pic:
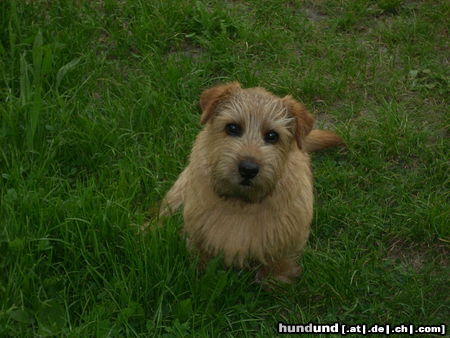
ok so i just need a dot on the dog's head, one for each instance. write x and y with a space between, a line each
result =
250 133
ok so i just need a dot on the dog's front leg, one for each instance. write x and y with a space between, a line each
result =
175 196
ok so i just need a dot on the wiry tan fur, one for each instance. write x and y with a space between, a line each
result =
267 223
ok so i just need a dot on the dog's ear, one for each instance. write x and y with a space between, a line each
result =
211 97
303 119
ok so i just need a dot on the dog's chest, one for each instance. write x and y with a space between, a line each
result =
248 232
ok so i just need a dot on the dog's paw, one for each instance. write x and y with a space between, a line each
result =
294 271
283 271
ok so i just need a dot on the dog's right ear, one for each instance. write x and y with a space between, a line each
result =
212 96
303 119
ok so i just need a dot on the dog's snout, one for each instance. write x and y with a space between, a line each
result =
248 169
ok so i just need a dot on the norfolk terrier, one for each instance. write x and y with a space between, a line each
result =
247 192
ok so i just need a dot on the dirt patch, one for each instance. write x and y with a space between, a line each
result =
438 135
241 6
324 120
187 50
310 9
411 163
313 13
415 257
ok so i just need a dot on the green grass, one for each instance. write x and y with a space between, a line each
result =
98 111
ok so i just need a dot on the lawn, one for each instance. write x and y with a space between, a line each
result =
99 109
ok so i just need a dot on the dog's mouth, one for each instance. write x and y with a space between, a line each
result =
245 190
246 182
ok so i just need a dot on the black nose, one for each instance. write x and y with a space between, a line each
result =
248 169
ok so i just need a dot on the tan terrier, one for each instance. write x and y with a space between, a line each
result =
247 192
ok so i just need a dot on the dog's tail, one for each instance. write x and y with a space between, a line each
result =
321 139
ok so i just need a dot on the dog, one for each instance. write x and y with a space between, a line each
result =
247 192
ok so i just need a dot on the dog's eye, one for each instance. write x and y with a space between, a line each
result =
233 129
271 137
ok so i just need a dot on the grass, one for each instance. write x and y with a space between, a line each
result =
98 111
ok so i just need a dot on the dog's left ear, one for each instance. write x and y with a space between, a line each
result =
304 121
211 97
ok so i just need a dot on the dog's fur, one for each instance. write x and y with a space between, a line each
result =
259 221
